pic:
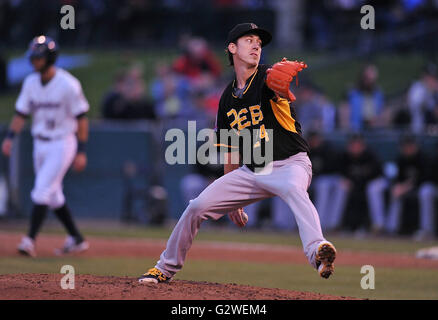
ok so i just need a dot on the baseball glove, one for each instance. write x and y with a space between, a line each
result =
281 74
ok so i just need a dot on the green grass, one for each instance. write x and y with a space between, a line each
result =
396 72
244 236
97 78
382 245
390 283
276 238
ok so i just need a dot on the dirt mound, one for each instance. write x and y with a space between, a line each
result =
90 287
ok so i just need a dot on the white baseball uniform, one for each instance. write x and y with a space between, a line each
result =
54 108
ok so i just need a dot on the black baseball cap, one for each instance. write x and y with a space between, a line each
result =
245 28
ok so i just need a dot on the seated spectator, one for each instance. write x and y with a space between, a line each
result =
325 182
423 99
126 99
376 195
325 188
171 93
199 64
358 167
343 115
402 116
201 112
411 176
314 111
427 195
3 74
366 101
203 174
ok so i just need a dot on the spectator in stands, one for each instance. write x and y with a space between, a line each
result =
319 27
3 74
325 188
201 112
314 110
366 101
423 99
199 64
427 195
358 167
412 173
127 99
376 195
401 115
171 93
202 175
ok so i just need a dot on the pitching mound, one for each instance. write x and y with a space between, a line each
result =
90 287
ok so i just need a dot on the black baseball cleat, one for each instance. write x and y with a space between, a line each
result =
154 276
325 257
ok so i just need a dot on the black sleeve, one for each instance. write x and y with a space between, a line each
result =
21 114
81 115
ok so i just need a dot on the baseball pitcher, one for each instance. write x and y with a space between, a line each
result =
258 100
54 100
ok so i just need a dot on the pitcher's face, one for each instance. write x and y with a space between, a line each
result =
248 49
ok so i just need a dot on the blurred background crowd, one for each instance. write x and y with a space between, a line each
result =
368 103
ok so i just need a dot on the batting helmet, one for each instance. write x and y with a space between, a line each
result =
43 47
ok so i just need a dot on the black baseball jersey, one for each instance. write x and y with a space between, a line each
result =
412 168
256 108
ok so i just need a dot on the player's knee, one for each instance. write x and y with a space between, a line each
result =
371 189
376 186
40 197
427 191
293 188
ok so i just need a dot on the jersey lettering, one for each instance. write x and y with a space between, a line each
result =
240 119
53 107
50 124
256 114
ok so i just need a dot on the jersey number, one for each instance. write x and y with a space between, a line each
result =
50 124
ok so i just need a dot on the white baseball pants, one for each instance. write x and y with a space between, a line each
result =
289 179
51 162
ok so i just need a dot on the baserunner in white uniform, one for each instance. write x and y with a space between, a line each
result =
258 101
56 103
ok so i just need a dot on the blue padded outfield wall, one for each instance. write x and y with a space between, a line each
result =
98 191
